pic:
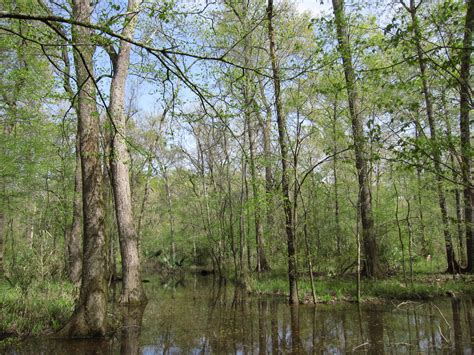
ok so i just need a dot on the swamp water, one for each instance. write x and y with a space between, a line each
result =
199 315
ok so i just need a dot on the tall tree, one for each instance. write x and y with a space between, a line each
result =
283 142
89 317
435 150
465 128
371 262
132 290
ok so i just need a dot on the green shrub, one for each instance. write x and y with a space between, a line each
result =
44 308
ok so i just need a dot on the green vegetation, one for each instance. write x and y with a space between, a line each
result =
328 290
240 138
41 308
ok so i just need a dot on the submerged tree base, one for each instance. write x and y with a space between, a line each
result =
137 298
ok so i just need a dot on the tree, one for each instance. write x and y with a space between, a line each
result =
465 128
132 290
89 317
435 150
282 140
371 262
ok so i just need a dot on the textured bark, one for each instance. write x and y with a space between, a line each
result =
465 128
436 153
74 237
282 140
132 290
371 262
89 317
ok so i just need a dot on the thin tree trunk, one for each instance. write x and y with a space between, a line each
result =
2 233
456 190
436 154
89 317
334 172
424 247
465 128
132 290
146 192
74 235
410 238
399 228
266 127
242 235
262 263
231 208
371 262
169 202
282 139
248 101
3 209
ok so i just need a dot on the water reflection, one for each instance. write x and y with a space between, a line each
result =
132 318
214 317
202 316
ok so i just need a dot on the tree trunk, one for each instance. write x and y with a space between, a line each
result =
74 237
2 233
282 139
262 263
465 128
242 235
455 178
3 209
89 317
436 154
266 127
132 290
334 172
169 202
231 208
424 247
371 262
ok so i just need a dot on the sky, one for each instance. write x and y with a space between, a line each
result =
314 7
149 102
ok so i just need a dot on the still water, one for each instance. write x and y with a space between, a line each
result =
200 315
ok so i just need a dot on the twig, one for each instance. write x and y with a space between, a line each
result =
360 346
442 335
442 315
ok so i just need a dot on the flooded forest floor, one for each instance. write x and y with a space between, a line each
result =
35 309
195 314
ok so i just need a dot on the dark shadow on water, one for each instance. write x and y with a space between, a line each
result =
375 331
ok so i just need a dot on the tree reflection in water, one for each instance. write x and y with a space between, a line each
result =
203 316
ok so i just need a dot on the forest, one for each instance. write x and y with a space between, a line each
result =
320 150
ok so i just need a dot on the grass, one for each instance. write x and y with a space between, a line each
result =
39 309
425 286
